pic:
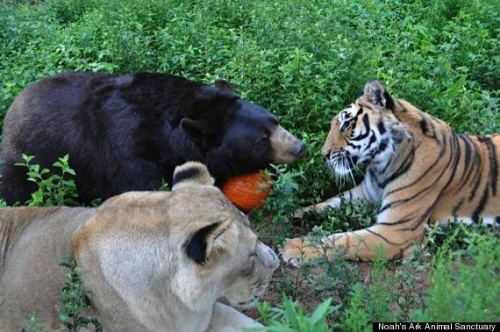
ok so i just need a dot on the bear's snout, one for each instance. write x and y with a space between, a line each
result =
287 148
300 149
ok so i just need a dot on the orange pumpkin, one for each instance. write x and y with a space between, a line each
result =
248 191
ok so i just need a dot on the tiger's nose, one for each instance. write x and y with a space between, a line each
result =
326 153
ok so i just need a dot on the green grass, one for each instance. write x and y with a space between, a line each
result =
304 61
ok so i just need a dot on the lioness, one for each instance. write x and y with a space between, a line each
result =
153 261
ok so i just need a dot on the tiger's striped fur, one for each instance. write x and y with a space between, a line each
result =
417 167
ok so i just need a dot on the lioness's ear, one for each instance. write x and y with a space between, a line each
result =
211 240
375 94
191 173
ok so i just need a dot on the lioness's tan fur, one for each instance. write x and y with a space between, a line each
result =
133 254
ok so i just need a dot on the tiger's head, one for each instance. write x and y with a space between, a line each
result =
365 133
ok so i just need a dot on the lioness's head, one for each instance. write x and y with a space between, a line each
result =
190 243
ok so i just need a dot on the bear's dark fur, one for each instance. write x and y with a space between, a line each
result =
128 132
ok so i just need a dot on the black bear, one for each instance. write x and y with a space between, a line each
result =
128 132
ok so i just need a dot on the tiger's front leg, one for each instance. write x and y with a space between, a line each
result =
362 244
397 231
355 194
296 249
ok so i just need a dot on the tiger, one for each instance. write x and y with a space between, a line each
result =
416 167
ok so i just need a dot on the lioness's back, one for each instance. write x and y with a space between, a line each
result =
31 236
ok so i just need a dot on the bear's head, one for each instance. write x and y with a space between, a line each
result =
238 137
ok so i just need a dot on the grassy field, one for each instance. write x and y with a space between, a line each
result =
304 61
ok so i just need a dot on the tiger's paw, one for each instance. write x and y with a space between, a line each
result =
291 252
297 250
299 214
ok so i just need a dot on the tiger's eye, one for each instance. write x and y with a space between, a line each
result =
345 126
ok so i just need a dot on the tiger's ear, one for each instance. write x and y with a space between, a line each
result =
217 238
376 95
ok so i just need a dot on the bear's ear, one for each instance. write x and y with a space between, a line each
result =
375 94
196 129
220 93
223 85
209 241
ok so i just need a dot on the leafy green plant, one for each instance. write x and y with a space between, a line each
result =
51 189
456 237
349 216
409 289
338 275
461 287
357 317
74 302
290 317
75 299
282 199
280 205
379 297
31 324
66 11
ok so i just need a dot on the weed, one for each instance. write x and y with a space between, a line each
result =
357 318
290 317
280 205
75 299
51 189
74 302
409 285
282 202
31 324
462 284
